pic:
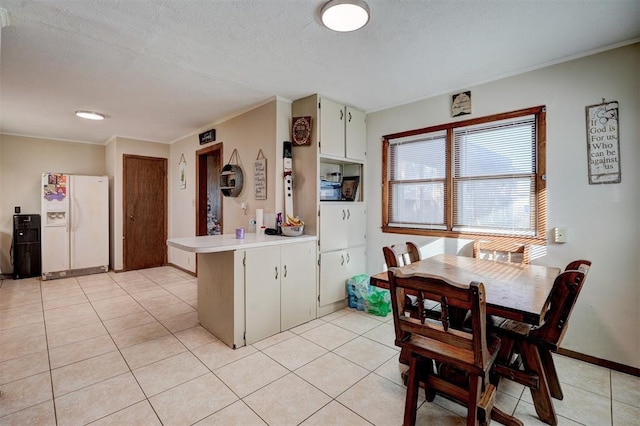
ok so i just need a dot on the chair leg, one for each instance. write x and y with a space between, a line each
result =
541 395
475 390
411 402
551 373
425 369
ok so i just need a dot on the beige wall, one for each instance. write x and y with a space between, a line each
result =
603 220
22 162
262 128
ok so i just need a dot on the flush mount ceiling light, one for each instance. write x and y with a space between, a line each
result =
90 115
345 15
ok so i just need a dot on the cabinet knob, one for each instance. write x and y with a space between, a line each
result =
341 115
341 260
348 214
348 258
344 214
285 271
349 116
276 272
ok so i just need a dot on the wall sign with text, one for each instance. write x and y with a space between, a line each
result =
603 143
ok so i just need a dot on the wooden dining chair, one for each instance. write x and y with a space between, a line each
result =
425 339
403 254
501 251
535 344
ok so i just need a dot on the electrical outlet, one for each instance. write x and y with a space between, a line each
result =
560 235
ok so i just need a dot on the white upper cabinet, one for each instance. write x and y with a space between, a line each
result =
342 131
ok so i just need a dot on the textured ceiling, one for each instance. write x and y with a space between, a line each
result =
163 69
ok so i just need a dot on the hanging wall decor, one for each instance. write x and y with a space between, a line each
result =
461 104
260 177
603 143
231 177
301 131
182 164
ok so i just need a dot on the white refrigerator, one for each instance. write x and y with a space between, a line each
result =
75 225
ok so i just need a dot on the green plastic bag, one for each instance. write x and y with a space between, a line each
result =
357 288
378 302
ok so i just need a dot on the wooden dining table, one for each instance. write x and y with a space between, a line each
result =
513 291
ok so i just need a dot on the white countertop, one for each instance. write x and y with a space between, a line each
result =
229 242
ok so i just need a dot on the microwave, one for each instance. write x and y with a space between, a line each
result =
330 191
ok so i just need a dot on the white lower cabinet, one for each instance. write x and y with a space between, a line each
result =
262 293
336 268
280 289
298 293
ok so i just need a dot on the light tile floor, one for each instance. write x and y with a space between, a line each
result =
126 348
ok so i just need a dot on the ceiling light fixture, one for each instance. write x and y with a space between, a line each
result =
90 115
345 15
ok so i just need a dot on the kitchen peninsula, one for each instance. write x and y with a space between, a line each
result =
253 288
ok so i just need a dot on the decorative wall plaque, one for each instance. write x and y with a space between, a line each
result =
208 136
301 131
603 143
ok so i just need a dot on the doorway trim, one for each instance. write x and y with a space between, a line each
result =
201 187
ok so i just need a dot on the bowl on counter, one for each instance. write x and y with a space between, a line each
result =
292 231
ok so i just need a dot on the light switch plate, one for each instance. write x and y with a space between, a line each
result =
560 235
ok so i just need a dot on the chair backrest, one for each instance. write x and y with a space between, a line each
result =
501 251
564 294
471 347
401 254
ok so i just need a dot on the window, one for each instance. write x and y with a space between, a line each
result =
483 176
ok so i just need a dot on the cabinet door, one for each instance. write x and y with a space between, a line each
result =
298 284
262 293
355 261
356 134
333 227
333 277
356 224
332 119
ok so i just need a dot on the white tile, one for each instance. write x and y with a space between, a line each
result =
41 415
383 333
625 388
335 414
393 370
88 372
583 375
195 337
99 400
624 414
387 408
289 400
250 373
151 351
332 374
140 414
167 373
526 412
366 353
235 414
78 351
217 354
295 352
192 401
272 340
25 393
329 336
25 366
356 323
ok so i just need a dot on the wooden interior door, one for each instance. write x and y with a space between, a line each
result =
145 212
208 167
